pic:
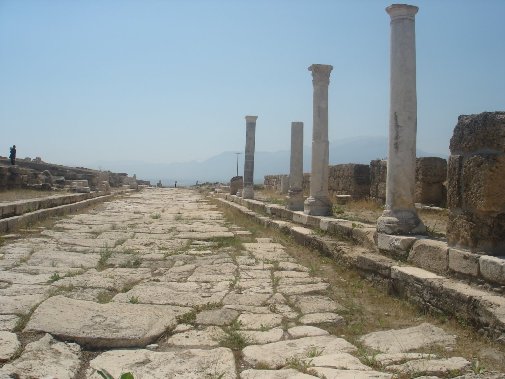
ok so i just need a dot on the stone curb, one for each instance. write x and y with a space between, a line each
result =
20 207
483 309
11 224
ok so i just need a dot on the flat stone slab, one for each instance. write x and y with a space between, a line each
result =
316 304
320 318
275 355
208 337
9 345
259 321
8 322
274 374
45 358
297 289
102 325
19 304
182 364
330 373
404 340
389 359
343 361
259 338
222 316
306 331
431 366
174 293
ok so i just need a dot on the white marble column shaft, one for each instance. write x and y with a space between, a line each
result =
400 216
318 203
295 193
250 135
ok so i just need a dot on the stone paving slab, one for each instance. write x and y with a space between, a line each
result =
102 325
274 374
404 340
45 358
9 345
275 355
182 364
439 367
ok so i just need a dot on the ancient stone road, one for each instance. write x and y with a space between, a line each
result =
160 285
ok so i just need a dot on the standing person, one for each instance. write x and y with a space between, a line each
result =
12 156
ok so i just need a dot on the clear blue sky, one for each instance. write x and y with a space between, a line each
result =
164 81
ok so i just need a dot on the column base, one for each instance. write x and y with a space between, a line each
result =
317 206
294 200
400 222
248 192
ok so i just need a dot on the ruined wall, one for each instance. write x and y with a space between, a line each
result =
38 174
476 184
378 172
272 182
349 179
431 173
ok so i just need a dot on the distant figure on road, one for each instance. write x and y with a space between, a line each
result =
12 156
175 185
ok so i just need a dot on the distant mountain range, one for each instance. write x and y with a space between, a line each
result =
222 167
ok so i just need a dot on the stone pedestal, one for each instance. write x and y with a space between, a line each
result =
284 184
400 216
318 203
248 191
476 184
295 193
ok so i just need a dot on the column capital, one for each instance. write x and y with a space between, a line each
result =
402 11
321 73
249 119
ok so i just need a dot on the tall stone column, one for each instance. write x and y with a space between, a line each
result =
318 203
295 193
400 216
248 192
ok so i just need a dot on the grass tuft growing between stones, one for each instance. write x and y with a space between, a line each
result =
234 339
105 254
104 297
227 242
54 277
302 365
187 318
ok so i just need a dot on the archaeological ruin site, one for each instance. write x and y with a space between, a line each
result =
394 269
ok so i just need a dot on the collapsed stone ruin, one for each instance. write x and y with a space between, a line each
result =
39 175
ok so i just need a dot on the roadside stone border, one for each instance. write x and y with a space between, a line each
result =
32 211
481 308
430 254
20 207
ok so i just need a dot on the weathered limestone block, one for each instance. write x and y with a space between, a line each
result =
430 255
492 268
102 325
274 355
476 184
349 179
236 184
180 364
45 358
403 340
463 262
9 345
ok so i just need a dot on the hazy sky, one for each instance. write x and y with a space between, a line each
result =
164 81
